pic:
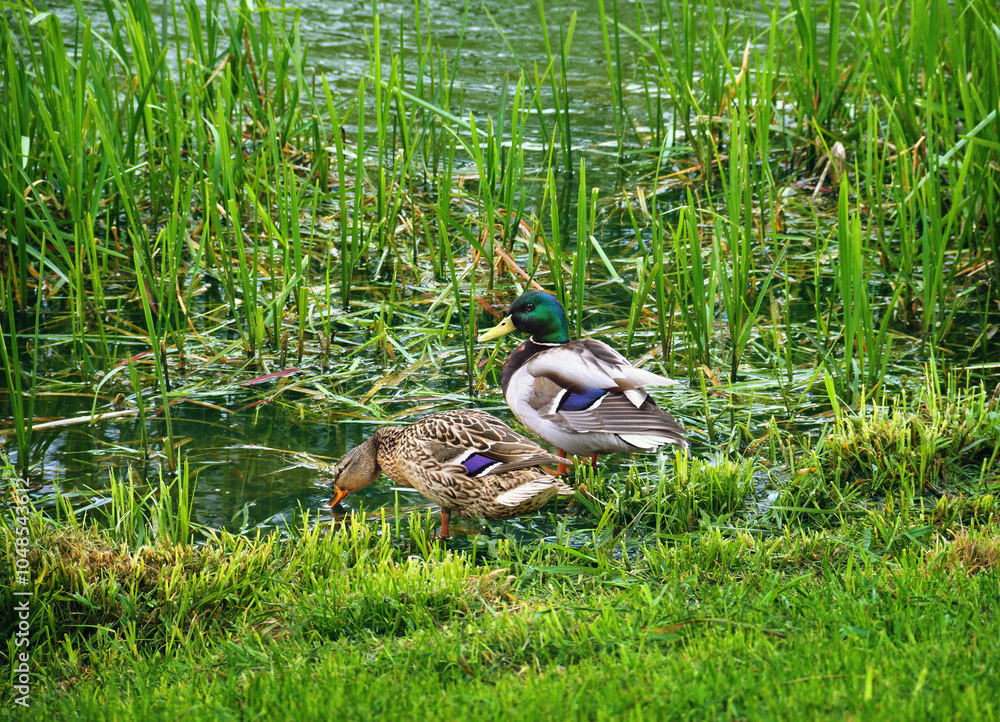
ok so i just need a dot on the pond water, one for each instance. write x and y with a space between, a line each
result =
241 441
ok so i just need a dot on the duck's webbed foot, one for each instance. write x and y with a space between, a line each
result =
445 518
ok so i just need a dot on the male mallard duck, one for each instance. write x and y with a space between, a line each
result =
464 460
581 396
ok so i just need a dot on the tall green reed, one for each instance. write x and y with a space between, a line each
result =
613 68
584 232
820 81
694 285
559 82
22 412
742 285
866 344
554 245
936 85
688 55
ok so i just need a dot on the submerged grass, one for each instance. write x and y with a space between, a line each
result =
297 204
863 589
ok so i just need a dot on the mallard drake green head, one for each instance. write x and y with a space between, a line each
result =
582 396
464 460
535 313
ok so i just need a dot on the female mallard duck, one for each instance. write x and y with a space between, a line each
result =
582 396
464 460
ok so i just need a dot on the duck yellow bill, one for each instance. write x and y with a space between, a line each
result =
501 329
338 496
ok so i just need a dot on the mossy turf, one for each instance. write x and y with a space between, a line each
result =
349 622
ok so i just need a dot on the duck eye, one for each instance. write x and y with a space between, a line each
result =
529 307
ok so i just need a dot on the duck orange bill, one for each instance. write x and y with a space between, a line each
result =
338 496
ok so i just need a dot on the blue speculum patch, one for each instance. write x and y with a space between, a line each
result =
579 402
477 463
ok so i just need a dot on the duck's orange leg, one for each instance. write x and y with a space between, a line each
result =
562 467
593 461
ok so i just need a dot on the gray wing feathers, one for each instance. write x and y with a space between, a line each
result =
594 364
616 414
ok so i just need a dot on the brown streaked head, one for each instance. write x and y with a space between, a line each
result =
356 469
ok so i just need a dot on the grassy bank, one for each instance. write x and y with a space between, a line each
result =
337 621
836 622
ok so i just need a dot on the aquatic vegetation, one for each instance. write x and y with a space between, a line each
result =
890 445
691 494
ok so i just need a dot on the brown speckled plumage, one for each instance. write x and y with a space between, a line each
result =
438 455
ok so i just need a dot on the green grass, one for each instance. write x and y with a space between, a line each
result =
343 621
